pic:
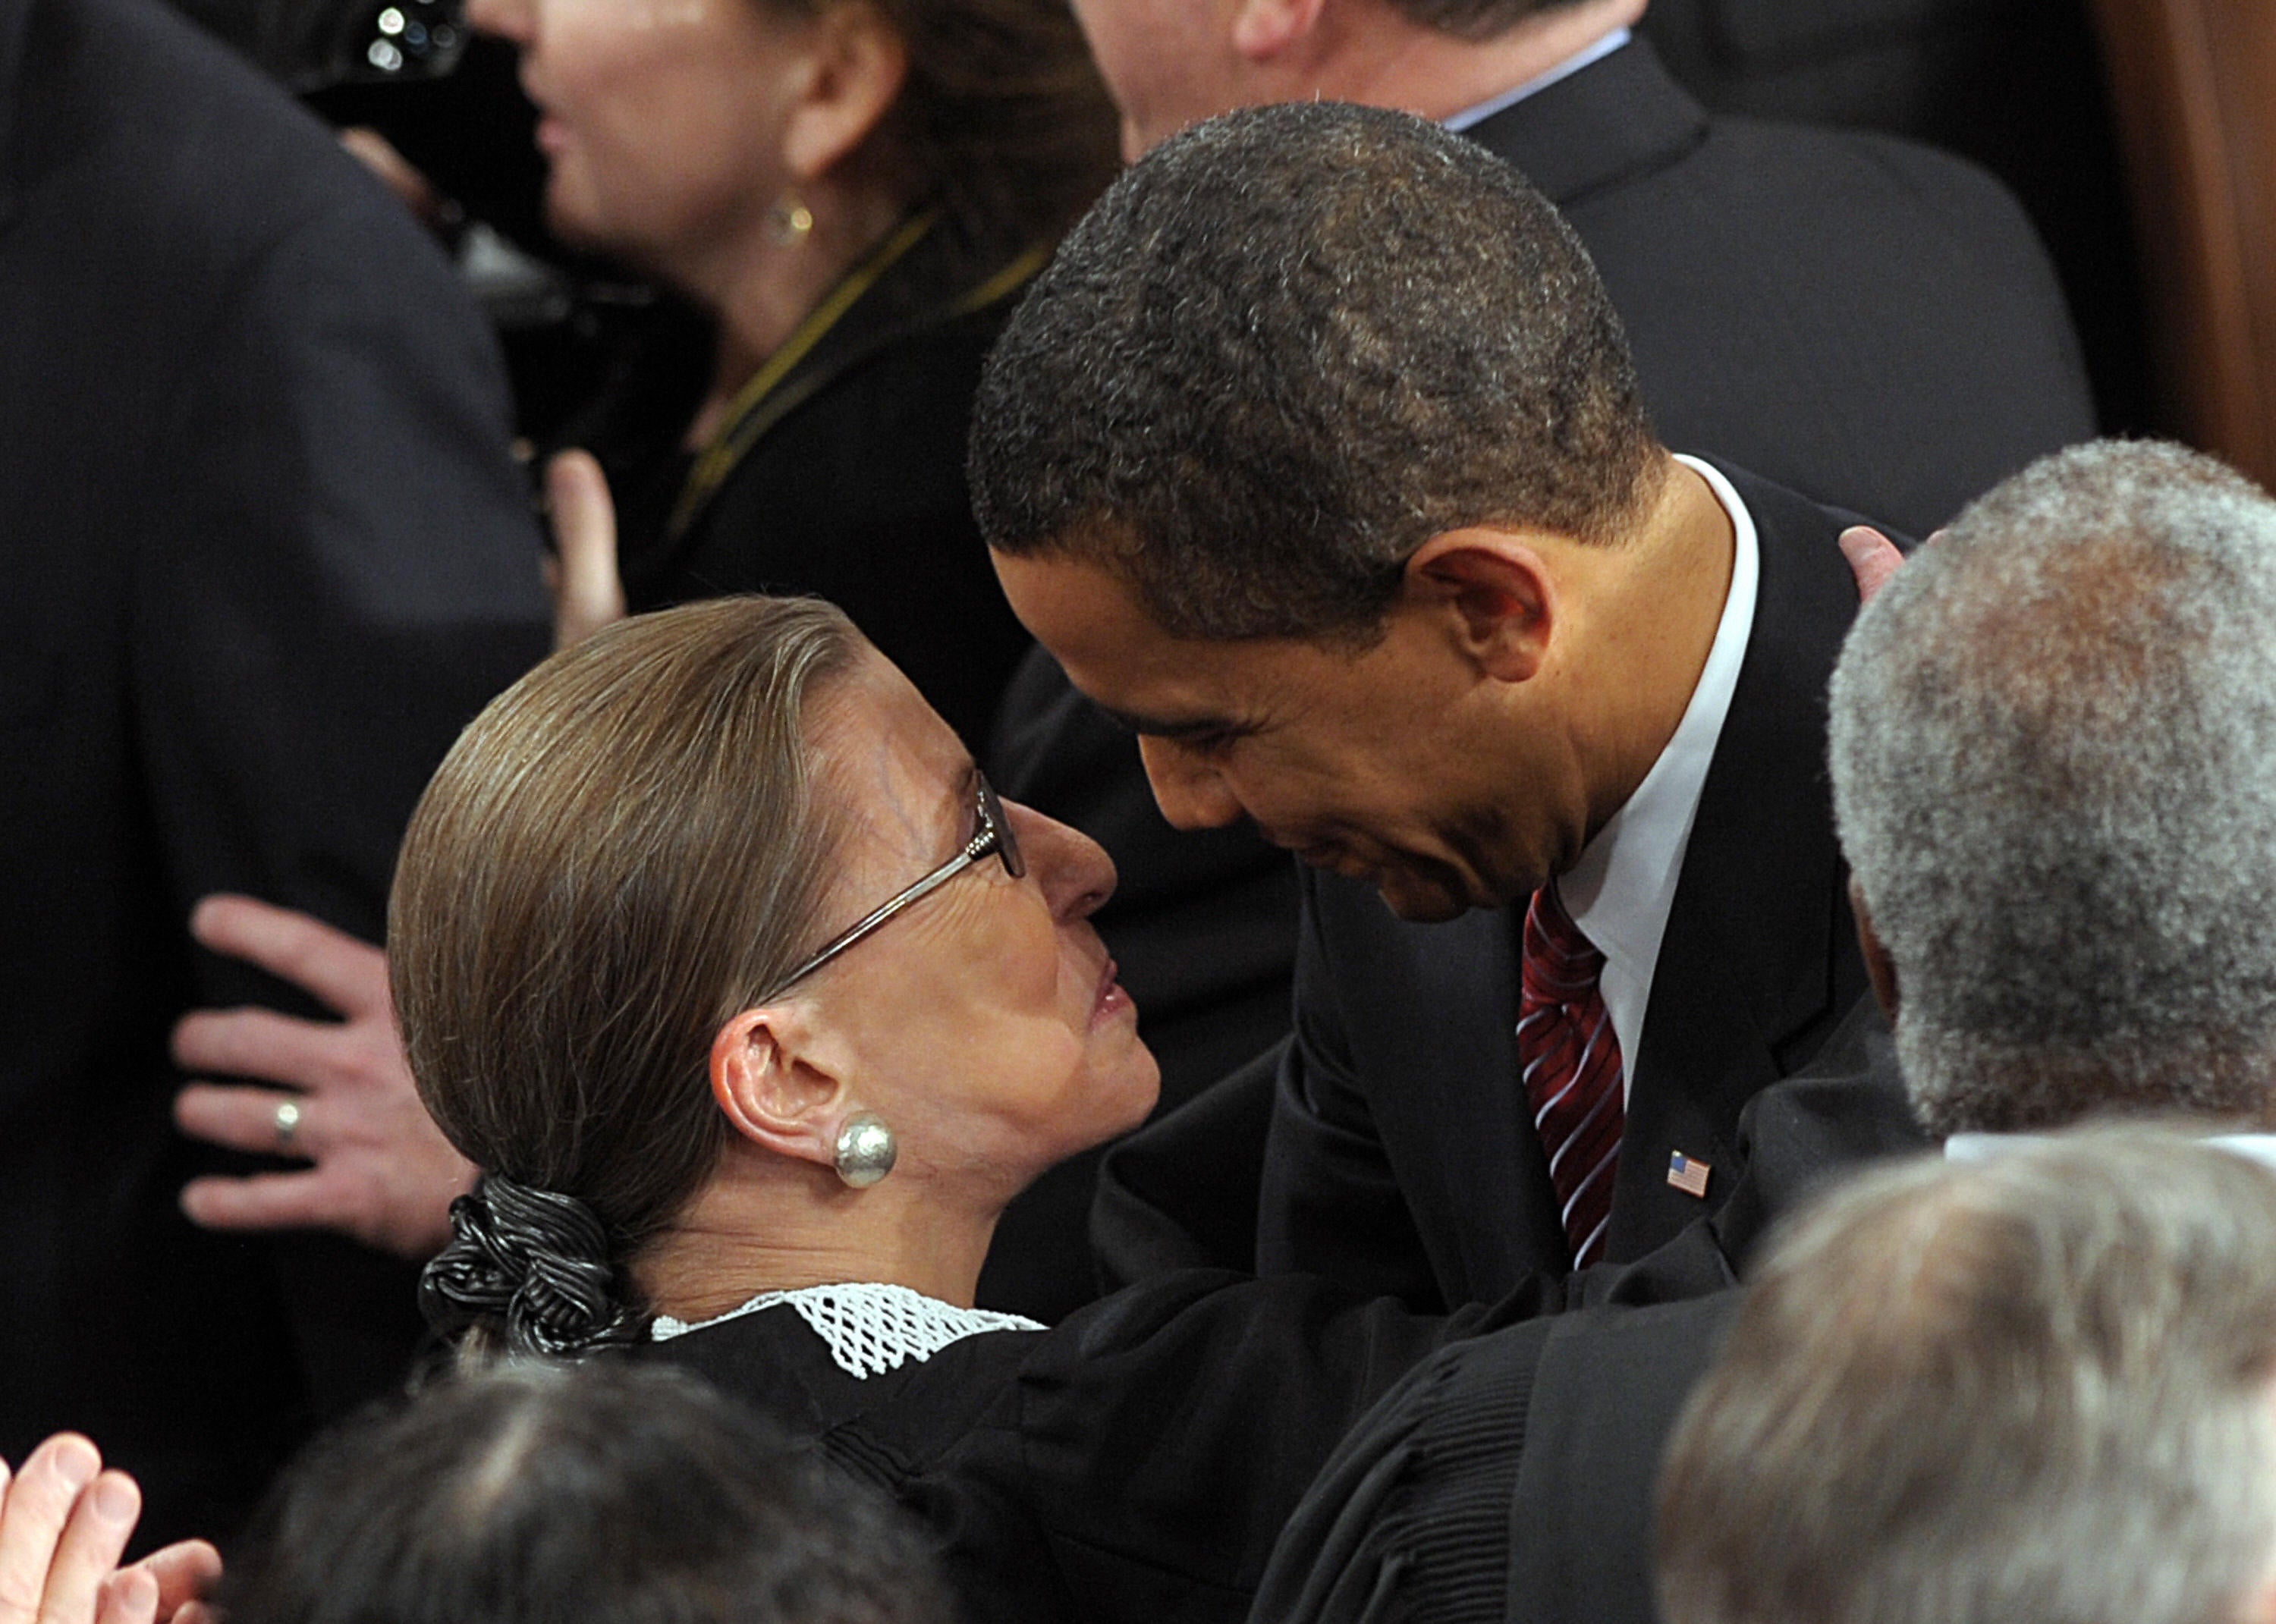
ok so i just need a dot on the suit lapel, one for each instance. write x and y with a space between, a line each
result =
1758 945
15 23
1439 1024
1613 120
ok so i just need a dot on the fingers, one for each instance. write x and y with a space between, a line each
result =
259 1044
589 593
346 974
184 1573
1872 557
262 1201
33 1517
378 154
246 1120
129 1596
92 1543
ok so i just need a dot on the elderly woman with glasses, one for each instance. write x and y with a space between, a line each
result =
715 951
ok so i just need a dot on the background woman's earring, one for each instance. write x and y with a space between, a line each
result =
865 1150
790 220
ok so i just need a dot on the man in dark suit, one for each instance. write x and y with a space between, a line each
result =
266 554
2068 703
1860 319
1367 537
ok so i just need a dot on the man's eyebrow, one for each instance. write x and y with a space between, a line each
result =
1185 727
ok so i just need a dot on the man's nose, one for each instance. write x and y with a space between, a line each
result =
1192 793
1076 874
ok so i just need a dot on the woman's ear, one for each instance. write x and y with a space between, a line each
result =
859 63
766 1078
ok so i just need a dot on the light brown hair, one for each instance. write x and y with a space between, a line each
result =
621 852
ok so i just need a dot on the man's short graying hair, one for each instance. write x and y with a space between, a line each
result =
2041 1390
2053 750
1287 348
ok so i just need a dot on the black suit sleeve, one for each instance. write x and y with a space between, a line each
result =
1330 1203
336 568
339 570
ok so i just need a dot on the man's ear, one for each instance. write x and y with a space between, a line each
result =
860 63
1264 30
1498 592
1880 969
774 1086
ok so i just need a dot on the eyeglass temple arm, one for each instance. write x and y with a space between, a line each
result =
974 849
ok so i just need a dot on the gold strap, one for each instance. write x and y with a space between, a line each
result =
717 459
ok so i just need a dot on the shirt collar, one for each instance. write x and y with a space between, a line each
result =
1623 888
1977 1147
1572 64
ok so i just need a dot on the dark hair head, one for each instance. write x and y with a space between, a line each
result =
621 852
604 1493
1286 349
1002 120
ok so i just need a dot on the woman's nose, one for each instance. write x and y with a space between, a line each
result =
1076 874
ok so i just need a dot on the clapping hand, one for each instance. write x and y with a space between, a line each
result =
587 592
64 1523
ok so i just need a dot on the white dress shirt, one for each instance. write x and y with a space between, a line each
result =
1974 1147
1539 83
1621 891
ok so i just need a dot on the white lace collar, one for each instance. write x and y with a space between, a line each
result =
870 1328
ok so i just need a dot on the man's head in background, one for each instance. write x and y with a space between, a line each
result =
2053 750
1318 456
2037 1390
1170 63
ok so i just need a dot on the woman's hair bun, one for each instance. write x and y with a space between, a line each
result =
533 1265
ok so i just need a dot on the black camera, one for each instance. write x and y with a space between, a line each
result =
314 44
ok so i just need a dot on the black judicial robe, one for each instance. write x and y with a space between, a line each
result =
1508 1480
1135 1462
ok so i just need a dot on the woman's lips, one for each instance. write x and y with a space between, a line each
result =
1112 1000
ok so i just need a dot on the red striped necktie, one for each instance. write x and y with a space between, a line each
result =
1571 1061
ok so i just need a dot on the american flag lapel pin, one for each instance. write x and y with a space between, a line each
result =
1688 1175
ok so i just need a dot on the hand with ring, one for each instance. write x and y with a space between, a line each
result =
379 1169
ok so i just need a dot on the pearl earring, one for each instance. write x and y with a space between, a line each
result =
865 1149
789 220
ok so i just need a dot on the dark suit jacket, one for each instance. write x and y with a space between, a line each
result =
1400 1158
1865 320
2016 86
1510 1477
265 554
1861 319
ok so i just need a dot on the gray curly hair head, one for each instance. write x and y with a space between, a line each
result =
2053 748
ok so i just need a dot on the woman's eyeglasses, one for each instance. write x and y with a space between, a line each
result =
993 835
